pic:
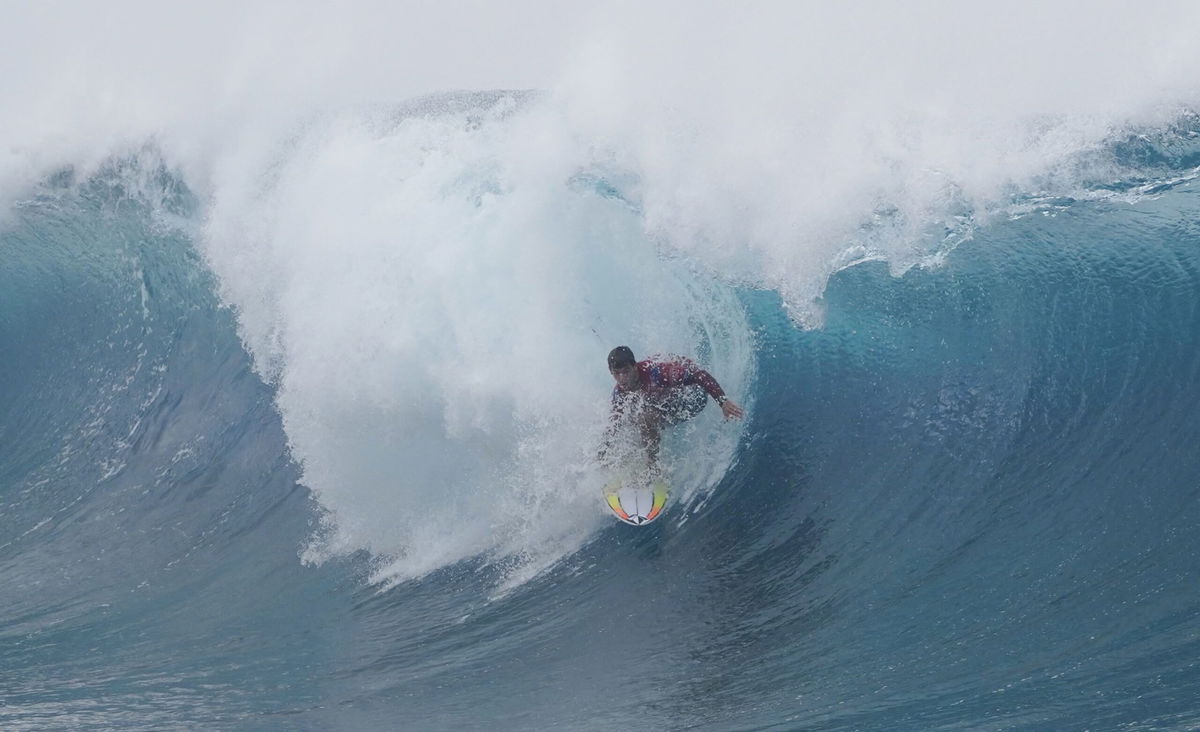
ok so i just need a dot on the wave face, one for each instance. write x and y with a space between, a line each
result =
315 451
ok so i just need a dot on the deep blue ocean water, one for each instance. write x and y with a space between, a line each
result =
967 500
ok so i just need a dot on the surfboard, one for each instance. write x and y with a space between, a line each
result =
635 502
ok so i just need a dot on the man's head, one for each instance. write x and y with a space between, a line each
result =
623 367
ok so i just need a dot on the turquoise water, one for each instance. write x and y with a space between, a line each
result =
968 499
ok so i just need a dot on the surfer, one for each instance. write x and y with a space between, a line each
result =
659 392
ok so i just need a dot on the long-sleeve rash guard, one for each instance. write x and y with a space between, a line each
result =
658 377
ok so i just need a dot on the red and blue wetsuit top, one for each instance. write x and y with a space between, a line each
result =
658 377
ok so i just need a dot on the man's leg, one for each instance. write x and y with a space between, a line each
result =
650 424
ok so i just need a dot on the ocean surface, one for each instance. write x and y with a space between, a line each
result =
314 448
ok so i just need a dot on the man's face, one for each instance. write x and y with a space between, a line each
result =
626 376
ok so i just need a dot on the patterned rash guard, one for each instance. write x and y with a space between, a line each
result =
662 378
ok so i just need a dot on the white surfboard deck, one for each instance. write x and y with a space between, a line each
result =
635 502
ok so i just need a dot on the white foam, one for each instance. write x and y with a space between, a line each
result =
435 298
767 136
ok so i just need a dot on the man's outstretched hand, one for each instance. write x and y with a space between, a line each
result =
731 410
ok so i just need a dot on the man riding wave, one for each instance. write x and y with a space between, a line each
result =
659 392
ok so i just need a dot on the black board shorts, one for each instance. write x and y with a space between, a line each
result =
683 404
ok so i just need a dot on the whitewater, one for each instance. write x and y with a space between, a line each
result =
303 325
